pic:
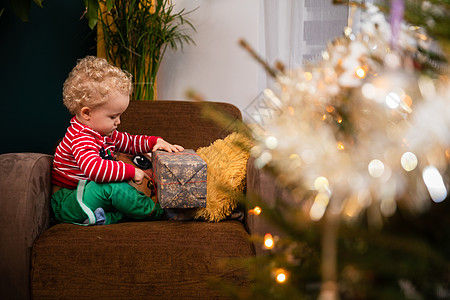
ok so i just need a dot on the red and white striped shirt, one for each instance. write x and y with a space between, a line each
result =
78 156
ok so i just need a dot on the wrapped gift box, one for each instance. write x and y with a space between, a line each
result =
180 179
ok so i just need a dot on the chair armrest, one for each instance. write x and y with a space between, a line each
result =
25 190
262 185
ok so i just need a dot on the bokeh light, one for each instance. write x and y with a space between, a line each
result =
269 242
409 161
376 168
435 184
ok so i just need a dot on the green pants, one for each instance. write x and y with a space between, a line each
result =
119 200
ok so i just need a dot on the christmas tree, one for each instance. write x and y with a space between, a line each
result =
362 145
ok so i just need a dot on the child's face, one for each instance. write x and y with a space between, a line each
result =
106 117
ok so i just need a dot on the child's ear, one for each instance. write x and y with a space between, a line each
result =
85 113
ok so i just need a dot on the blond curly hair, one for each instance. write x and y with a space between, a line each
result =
91 81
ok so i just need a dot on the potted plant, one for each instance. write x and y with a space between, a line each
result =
137 34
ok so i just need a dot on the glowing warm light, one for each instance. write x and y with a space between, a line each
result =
422 36
347 30
268 241
435 184
255 211
340 146
308 76
330 109
392 100
352 207
294 156
319 206
409 161
321 184
291 110
408 100
376 168
317 211
281 277
360 72
271 142
324 117
339 120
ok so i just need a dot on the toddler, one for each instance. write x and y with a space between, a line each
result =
89 186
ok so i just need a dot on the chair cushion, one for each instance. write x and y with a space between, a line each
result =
185 123
159 260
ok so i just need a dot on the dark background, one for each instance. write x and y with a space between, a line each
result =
35 59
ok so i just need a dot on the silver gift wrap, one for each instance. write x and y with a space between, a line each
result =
180 179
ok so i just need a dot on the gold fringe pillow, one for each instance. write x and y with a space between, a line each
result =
227 167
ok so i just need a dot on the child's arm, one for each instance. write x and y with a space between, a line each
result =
139 176
163 145
86 152
136 144
133 144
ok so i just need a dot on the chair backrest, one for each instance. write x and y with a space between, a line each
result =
187 123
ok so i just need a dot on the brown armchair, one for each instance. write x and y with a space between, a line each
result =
136 260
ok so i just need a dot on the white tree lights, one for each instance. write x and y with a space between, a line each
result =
361 126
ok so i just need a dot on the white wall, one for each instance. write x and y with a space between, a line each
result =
216 67
220 70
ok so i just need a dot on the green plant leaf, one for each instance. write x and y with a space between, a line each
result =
137 35
21 8
92 12
109 4
38 2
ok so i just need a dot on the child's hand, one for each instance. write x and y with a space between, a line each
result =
163 145
139 176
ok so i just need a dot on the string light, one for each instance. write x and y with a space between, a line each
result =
435 184
280 274
281 277
294 156
291 110
376 168
360 72
330 109
271 142
269 242
308 76
409 161
347 30
255 211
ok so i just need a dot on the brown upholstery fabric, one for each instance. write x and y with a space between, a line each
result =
262 184
142 260
178 122
24 209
